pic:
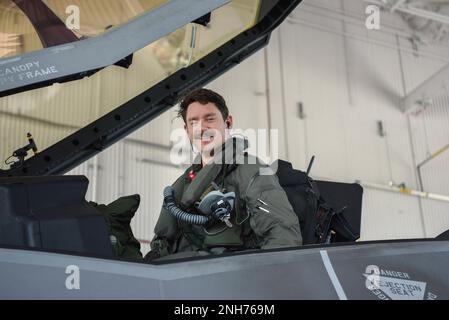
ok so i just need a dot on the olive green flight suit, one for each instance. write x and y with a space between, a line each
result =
263 217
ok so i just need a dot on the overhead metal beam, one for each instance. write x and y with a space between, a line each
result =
401 6
423 13
427 90
396 5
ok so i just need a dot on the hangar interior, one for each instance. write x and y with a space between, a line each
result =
371 104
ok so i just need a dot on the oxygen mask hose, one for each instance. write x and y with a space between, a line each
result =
178 213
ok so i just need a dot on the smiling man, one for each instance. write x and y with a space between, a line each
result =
206 122
248 210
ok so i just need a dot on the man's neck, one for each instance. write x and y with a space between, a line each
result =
207 158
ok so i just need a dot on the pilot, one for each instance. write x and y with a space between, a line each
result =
227 200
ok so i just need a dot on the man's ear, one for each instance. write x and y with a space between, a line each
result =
229 121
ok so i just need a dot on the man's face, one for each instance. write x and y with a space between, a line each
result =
206 127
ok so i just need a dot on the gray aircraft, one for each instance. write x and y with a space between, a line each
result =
50 236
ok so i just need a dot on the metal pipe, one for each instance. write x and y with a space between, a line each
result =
365 39
356 20
346 56
424 14
192 46
405 191
283 93
348 15
414 11
268 92
432 156
396 5
161 163
410 136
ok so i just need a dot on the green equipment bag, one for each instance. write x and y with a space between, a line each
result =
118 215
